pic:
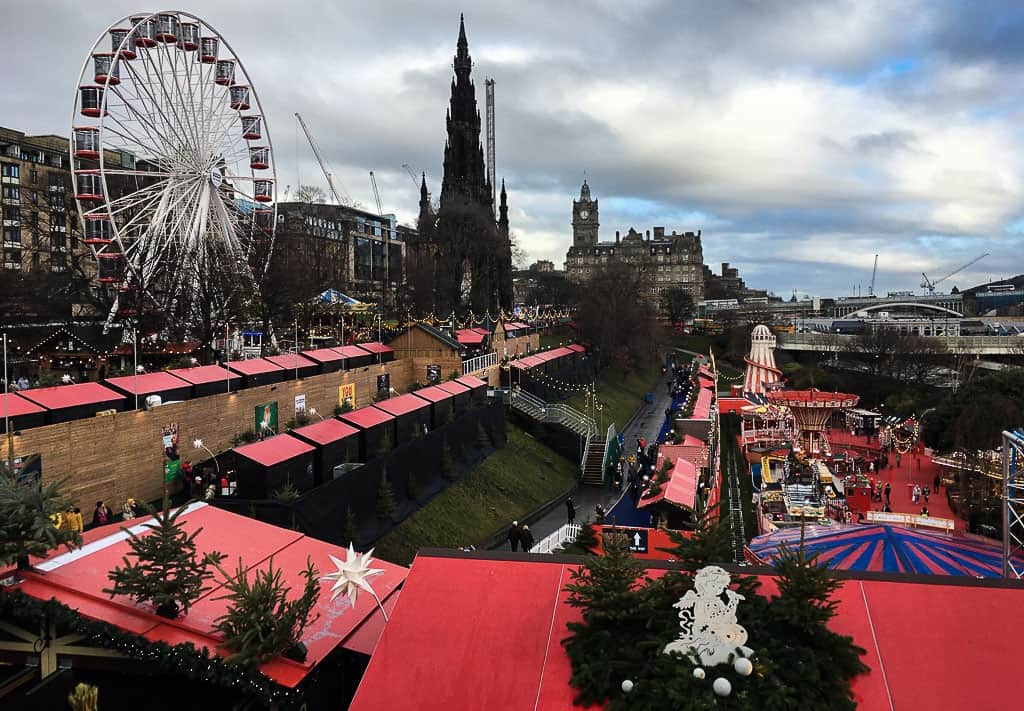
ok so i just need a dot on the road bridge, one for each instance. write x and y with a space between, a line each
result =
836 343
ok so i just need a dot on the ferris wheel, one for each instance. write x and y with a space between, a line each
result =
174 171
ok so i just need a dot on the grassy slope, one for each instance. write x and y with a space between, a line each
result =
621 395
508 484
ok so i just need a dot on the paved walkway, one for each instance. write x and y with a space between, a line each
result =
645 423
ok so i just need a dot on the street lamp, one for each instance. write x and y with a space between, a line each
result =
313 411
198 444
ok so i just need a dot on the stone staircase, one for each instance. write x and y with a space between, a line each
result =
593 462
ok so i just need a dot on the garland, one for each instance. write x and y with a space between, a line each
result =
181 659
617 655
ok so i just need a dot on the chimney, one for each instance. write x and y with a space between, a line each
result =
659 233
616 236
648 235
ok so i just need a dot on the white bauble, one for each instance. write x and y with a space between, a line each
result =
698 673
627 686
743 666
722 686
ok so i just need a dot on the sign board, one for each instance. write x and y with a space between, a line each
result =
636 537
265 419
347 392
300 404
172 468
169 439
384 383
433 374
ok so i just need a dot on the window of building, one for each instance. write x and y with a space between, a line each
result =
57 221
12 237
12 261
11 192
33 197
33 176
11 213
35 238
58 242
11 171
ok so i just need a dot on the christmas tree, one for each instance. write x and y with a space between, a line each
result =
166 571
385 497
412 487
709 542
349 527
447 466
28 516
260 621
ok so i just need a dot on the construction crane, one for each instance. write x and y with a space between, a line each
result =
874 272
320 159
412 175
930 285
376 195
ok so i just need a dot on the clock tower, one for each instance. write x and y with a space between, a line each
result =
584 219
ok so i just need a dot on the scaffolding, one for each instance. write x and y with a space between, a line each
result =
491 172
1013 504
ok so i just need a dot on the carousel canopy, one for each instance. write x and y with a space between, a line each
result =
889 549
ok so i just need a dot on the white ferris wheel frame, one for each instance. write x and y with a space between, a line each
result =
155 199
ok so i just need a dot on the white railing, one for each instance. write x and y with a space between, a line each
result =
566 534
483 362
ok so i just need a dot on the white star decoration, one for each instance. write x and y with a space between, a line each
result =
352 574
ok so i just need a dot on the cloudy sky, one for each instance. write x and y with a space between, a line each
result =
802 136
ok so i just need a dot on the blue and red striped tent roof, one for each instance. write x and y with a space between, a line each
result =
889 549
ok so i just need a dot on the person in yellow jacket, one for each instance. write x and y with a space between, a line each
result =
73 520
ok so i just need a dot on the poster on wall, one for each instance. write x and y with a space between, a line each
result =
28 469
347 393
265 419
300 404
384 384
169 440
433 374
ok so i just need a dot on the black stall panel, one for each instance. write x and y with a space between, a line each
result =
354 357
209 379
411 414
460 395
375 428
380 352
440 404
329 359
75 402
337 443
257 371
477 389
263 468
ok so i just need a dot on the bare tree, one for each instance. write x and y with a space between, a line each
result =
613 315
313 194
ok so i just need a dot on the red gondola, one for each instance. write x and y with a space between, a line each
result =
251 128
145 31
87 143
91 101
104 69
259 158
264 220
225 72
239 97
88 186
118 35
167 27
98 230
188 36
263 190
208 47
109 268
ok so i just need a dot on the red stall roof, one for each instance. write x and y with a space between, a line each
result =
374 347
561 352
367 417
702 408
253 366
59 397
204 374
274 450
323 355
291 361
14 406
434 393
351 351
525 666
471 381
469 336
402 405
326 431
454 387
680 489
576 347
77 578
146 383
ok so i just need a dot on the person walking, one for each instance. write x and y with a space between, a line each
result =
570 510
514 536
936 482
925 491
888 494
526 538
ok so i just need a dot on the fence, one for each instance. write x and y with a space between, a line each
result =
483 362
553 542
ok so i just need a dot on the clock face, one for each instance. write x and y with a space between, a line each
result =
584 214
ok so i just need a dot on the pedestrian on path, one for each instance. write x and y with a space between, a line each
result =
514 536
570 510
936 482
526 538
888 494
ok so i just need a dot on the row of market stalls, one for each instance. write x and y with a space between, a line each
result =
35 407
320 452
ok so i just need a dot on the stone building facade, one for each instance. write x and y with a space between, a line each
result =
728 285
666 260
